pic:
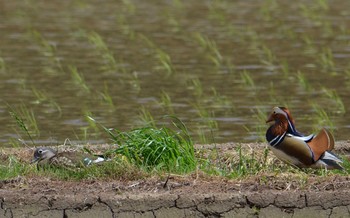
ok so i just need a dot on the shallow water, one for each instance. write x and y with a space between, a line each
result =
222 64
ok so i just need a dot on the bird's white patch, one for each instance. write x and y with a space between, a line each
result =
98 160
303 138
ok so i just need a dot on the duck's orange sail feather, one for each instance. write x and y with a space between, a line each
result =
324 141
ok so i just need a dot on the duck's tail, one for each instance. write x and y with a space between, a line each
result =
330 161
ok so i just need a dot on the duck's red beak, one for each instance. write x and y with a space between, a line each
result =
270 118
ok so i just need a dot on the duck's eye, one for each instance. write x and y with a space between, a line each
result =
40 151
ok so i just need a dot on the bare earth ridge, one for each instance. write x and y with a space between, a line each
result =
195 195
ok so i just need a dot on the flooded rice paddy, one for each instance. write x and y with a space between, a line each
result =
220 66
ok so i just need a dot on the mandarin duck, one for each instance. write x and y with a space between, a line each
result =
294 148
47 156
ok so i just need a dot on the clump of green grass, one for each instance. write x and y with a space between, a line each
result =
11 167
153 148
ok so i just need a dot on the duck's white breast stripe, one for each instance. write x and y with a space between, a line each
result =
278 138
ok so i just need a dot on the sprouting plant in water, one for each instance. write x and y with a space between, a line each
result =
260 115
91 122
146 117
326 59
48 50
2 65
333 95
125 27
165 61
78 79
196 85
309 48
210 47
322 118
165 101
267 9
25 120
304 83
267 56
220 101
110 64
42 98
217 11
107 97
247 79
285 67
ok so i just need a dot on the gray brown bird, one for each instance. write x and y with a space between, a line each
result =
48 156
294 148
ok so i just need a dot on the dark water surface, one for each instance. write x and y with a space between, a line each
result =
220 66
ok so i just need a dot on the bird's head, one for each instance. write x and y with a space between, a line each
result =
43 154
280 114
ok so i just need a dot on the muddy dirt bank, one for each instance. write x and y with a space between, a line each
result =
195 195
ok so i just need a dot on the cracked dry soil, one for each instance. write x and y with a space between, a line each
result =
194 195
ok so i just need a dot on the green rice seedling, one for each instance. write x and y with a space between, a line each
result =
129 6
48 50
153 148
143 38
78 79
165 62
267 9
41 98
268 57
247 79
285 68
326 59
110 64
146 118
2 65
107 97
196 86
217 11
25 120
210 46
260 115
333 95
177 3
166 102
125 27
322 118
310 48
173 22
207 117
92 123
304 83
323 4
220 101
